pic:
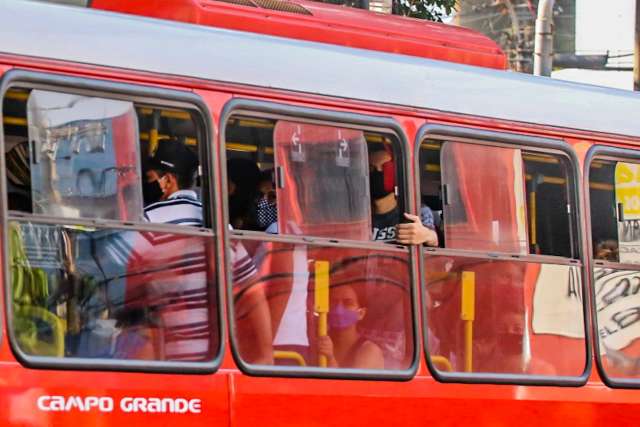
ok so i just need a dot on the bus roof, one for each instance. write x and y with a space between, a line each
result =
326 23
89 36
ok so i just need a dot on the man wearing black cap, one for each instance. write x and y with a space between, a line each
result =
170 176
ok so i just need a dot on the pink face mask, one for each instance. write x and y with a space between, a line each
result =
341 317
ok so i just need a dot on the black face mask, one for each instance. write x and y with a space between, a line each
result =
376 185
151 192
511 344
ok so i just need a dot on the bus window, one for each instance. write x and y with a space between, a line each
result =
615 220
343 301
287 172
552 227
493 306
92 282
493 220
531 212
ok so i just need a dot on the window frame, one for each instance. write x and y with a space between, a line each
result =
382 124
134 93
604 152
529 143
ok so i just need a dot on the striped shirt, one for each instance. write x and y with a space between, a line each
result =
180 290
243 266
181 208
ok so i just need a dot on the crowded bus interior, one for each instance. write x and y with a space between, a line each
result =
320 271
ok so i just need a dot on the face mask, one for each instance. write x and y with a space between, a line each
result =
267 213
376 184
151 192
341 317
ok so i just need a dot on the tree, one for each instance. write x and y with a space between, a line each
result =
432 10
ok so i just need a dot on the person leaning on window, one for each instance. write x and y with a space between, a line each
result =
387 218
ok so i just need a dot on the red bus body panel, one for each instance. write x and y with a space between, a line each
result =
329 24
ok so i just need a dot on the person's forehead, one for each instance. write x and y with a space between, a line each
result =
343 292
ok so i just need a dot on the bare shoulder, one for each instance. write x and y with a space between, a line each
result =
369 356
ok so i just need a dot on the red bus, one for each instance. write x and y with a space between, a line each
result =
292 301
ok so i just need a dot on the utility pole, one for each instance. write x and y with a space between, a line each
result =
636 56
543 49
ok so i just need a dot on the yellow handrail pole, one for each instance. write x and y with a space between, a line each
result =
322 302
14 121
153 133
182 115
144 136
467 314
17 95
532 218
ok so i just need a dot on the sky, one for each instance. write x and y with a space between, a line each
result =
598 30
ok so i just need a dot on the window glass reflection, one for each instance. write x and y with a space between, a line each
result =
323 184
477 219
112 294
519 317
618 309
328 307
84 156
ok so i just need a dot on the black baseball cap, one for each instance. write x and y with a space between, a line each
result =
175 157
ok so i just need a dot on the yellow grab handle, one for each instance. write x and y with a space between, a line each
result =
443 361
467 314
290 355
322 302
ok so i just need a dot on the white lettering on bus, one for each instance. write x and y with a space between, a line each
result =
162 405
67 404
179 405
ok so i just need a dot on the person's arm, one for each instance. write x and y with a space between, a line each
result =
369 356
260 320
415 233
254 298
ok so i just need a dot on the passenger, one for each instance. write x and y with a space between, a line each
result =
251 303
501 343
168 190
266 208
170 176
606 250
344 347
387 224
504 351
243 176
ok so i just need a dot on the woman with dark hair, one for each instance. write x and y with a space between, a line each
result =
345 347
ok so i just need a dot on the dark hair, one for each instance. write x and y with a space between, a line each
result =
173 156
373 147
245 175
185 180
266 175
